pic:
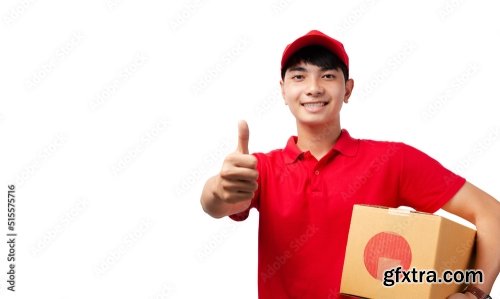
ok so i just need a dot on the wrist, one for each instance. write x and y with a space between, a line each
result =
474 292
470 295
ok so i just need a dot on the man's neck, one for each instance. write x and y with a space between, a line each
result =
317 140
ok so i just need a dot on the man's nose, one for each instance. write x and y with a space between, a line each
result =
314 87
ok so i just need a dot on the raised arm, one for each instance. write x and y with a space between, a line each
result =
231 191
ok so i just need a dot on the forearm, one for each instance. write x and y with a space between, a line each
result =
481 209
487 251
216 207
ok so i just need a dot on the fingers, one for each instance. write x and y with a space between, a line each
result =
238 183
237 191
239 174
240 186
238 197
242 160
243 135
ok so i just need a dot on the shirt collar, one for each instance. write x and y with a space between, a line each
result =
345 145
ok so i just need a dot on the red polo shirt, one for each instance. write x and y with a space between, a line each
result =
305 207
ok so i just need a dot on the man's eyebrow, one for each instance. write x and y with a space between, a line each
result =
297 69
328 69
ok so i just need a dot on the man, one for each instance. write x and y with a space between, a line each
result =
306 191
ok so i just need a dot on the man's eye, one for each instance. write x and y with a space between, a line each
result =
329 76
298 77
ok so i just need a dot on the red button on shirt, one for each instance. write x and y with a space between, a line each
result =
305 207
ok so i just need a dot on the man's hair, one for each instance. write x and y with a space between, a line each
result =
318 56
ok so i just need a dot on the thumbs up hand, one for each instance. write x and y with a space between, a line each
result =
243 135
237 180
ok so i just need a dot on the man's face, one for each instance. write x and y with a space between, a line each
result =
315 95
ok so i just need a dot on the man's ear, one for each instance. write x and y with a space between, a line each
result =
349 86
282 85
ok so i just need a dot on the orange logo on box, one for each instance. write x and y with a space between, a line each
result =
384 251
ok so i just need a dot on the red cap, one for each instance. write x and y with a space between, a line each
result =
316 38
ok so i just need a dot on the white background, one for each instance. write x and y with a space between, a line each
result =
113 114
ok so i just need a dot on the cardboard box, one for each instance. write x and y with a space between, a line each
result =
383 238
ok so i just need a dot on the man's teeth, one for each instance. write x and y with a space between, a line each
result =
313 105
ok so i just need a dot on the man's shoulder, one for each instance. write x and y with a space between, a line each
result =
381 145
271 155
391 150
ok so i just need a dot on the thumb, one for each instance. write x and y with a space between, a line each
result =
243 135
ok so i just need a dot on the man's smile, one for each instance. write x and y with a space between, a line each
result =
314 106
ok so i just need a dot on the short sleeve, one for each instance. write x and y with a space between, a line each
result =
425 184
255 200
